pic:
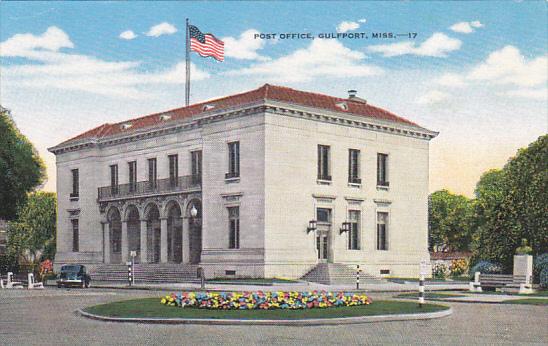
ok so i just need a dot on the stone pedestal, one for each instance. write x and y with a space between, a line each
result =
523 267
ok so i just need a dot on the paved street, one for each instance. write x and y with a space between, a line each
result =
47 317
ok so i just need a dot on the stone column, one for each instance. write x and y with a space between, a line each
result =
144 250
186 239
125 243
163 240
106 239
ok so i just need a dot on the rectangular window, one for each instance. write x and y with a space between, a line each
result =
382 231
233 160
152 173
114 179
234 227
173 169
196 164
354 235
132 173
323 215
382 170
323 163
75 183
75 236
354 166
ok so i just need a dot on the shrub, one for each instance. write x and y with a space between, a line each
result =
539 264
544 277
458 267
486 267
439 271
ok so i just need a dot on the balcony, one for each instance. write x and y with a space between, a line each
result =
147 188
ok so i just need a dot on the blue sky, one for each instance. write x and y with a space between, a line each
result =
476 71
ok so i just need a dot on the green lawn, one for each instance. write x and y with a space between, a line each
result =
428 295
543 293
266 281
151 307
532 301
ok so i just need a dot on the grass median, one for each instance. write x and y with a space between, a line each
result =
152 308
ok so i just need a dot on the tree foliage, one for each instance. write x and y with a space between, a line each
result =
21 169
450 217
511 205
32 234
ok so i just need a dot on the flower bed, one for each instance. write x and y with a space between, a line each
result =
265 300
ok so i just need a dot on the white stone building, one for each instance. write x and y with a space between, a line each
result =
266 183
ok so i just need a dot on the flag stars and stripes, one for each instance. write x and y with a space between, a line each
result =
205 44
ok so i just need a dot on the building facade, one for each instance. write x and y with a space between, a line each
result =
266 183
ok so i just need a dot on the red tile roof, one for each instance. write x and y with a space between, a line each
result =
266 92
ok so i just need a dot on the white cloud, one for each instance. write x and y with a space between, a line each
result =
322 58
432 97
363 20
347 26
451 80
438 45
25 45
76 72
466 27
245 47
509 66
164 28
128 35
534 94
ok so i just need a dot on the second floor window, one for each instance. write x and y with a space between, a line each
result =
75 236
234 227
323 163
196 165
114 179
382 170
233 160
152 172
132 172
173 169
354 235
75 183
354 166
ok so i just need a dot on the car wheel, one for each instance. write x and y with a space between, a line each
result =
88 284
59 286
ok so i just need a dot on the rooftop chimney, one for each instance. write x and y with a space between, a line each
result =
352 96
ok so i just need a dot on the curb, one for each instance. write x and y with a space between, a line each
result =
296 322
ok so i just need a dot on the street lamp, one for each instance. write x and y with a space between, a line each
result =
311 226
193 211
345 227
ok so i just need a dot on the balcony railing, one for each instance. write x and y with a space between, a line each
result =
179 184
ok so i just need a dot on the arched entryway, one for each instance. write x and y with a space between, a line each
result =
152 215
194 215
133 231
115 235
174 233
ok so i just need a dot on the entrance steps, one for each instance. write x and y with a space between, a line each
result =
147 273
337 274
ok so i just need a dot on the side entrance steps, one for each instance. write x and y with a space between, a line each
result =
337 274
147 273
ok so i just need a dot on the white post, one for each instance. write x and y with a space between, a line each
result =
421 290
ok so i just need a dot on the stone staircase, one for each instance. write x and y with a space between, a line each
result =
147 273
337 274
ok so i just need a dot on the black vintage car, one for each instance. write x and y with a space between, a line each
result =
73 275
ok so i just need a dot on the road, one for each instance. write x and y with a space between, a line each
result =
47 317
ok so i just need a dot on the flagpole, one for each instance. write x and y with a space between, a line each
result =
187 83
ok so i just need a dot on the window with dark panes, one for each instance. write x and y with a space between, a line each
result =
114 179
75 236
152 172
382 170
382 231
132 173
173 169
233 160
234 227
354 166
354 234
323 163
75 183
196 166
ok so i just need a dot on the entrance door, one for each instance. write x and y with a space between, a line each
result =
322 245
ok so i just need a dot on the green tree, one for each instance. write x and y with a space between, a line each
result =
32 235
450 216
21 169
511 206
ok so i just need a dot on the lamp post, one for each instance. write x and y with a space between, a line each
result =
345 227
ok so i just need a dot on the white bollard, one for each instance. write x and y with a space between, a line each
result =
421 290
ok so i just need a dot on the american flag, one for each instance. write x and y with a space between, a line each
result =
206 44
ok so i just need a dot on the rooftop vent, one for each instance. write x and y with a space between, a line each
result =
352 95
165 117
208 107
126 126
